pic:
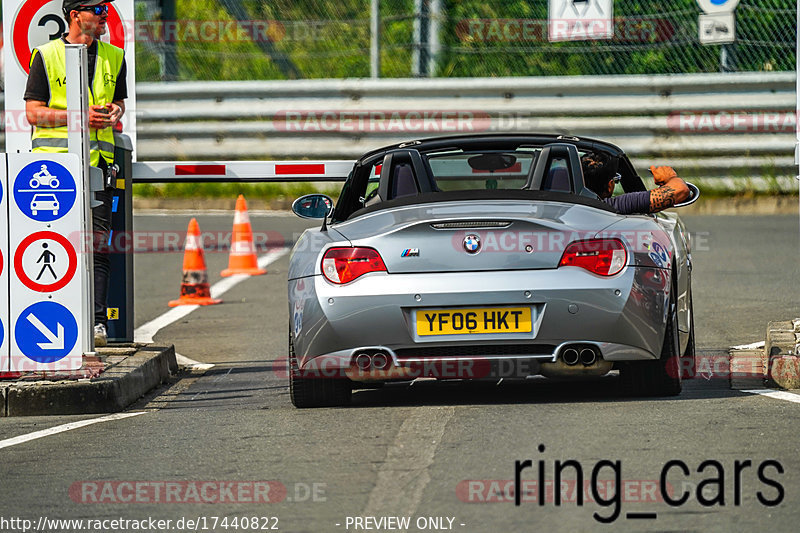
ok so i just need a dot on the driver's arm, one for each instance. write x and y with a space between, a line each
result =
671 189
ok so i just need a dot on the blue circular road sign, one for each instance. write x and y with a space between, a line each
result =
44 191
46 332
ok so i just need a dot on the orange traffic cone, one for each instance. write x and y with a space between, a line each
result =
242 259
194 288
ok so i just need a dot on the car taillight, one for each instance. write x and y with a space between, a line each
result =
342 265
604 257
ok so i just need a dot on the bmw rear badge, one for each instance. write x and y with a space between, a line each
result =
472 244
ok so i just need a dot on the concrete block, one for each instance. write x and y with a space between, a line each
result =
780 342
747 369
785 372
112 391
3 395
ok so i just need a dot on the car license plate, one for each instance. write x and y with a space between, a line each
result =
477 320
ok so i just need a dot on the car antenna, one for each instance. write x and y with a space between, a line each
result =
325 221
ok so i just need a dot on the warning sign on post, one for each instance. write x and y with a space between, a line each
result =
580 20
4 360
45 215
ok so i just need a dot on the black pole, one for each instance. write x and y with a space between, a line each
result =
169 67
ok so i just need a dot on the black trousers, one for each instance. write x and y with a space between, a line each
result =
101 228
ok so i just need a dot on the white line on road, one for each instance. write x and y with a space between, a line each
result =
146 332
753 346
777 394
404 473
65 427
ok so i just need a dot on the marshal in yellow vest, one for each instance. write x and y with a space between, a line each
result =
103 86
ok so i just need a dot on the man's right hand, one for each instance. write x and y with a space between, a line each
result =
99 117
662 175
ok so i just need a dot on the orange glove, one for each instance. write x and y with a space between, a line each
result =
661 175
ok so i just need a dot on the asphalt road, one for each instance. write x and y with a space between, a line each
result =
429 451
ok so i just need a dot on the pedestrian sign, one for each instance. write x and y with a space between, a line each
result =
45 261
44 191
46 332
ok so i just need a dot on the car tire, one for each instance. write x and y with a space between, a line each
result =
315 391
661 377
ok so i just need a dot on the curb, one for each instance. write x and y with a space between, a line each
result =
782 348
777 365
110 392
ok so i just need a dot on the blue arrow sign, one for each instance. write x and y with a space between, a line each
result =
46 332
44 191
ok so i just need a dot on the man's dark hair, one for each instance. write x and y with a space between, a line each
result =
596 171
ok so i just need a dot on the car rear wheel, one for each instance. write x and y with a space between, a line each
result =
661 377
315 391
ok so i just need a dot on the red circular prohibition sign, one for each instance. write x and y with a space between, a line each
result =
71 255
22 48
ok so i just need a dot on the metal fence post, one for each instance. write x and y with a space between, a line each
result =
375 39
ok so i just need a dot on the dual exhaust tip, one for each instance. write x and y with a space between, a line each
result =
585 355
378 360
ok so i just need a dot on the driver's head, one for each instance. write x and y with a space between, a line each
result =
597 173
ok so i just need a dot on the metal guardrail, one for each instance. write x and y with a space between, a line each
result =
707 125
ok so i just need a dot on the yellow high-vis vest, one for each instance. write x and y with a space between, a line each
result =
101 92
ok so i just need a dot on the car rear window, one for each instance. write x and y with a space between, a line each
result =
458 172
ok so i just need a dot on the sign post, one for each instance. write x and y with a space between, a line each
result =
78 144
718 26
47 327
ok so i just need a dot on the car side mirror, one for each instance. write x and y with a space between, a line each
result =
313 206
694 194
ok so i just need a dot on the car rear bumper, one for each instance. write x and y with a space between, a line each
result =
623 317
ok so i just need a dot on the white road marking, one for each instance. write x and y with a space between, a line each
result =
64 427
777 394
191 364
146 332
753 346
404 473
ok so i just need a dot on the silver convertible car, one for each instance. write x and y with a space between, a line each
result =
485 257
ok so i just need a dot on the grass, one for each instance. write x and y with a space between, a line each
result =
264 191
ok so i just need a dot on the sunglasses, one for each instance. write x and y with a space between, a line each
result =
102 9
